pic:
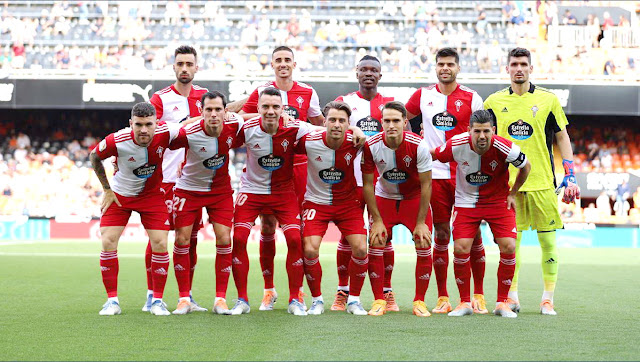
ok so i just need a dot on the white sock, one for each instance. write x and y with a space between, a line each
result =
153 300
353 298
184 298
343 287
217 299
318 298
513 295
387 290
547 295
149 292
113 299
270 290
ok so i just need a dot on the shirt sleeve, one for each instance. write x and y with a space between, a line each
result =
413 105
304 128
444 153
174 129
107 147
156 101
557 118
424 162
516 157
180 141
340 99
368 166
251 105
314 105
476 102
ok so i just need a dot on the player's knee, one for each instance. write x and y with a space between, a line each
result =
359 250
109 243
268 225
182 237
442 232
507 246
158 245
310 252
461 249
223 240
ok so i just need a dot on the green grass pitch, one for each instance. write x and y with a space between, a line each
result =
52 292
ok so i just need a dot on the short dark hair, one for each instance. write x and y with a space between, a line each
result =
270 91
282 48
398 106
143 109
341 106
519 52
369 57
186 49
481 116
213 95
447 52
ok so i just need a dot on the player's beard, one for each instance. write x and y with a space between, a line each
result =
452 78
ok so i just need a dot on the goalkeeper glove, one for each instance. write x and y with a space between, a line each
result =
571 189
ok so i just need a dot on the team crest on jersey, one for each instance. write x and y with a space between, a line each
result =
381 107
458 104
331 175
478 178
270 162
369 126
229 141
215 162
534 110
300 100
348 158
407 160
145 171
285 144
493 165
395 176
520 130
199 106
444 121
159 151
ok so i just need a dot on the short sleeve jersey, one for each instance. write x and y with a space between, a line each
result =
139 168
481 180
366 115
530 121
206 164
172 107
330 173
443 117
399 169
269 166
301 102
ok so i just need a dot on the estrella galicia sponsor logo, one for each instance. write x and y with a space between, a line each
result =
215 162
395 176
444 121
520 130
369 126
478 178
292 112
271 162
144 171
331 175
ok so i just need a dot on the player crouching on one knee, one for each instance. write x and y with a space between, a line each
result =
482 193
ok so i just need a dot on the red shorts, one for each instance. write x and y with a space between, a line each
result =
188 208
443 197
249 206
171 201
150 206
466 221
347 217
405 212
300 181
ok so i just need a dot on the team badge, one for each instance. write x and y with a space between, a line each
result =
493 165
348 158
381 107
285 144
229 141
534 110
300 100
458 104
199 106
407 160
159 151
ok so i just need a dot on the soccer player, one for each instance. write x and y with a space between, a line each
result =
205 182
366 112
530 116
482 193
331 163
300 101
139 152
178 103
446 108
401 196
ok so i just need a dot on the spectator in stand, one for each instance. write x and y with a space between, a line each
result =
607 23
568 18
481 20
624 22
622 192
609 67
603 204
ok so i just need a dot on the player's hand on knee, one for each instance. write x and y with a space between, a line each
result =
108 198
422 236
378 234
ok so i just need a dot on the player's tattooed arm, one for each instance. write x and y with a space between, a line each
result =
236 106
523 173
422 234
109 196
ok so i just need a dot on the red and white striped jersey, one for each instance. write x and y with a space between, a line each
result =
330 173
206 164
139 168
444 117
172 107
367 115
481 180
398 169
301 102
269 166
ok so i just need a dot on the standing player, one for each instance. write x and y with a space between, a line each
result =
205 182
330 182
366 112
530 116
401 196
482 193
139 152
174 104
300 102
446 108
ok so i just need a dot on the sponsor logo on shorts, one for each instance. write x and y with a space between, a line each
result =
145 171
331 175
520 130
395 176
369 126
444 121
478 178
215 162
270 162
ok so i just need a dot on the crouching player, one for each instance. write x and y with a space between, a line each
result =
139 151
402 195
482 193
329 197
205 182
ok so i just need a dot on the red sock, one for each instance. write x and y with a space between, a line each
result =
159 266
313 271
109 268
376 271
193 255
506 268
240 259
295 269
478 265
462 271
424 263
357 273
147 264
389 261
223 269
267 254
343 258
441 264
182 268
